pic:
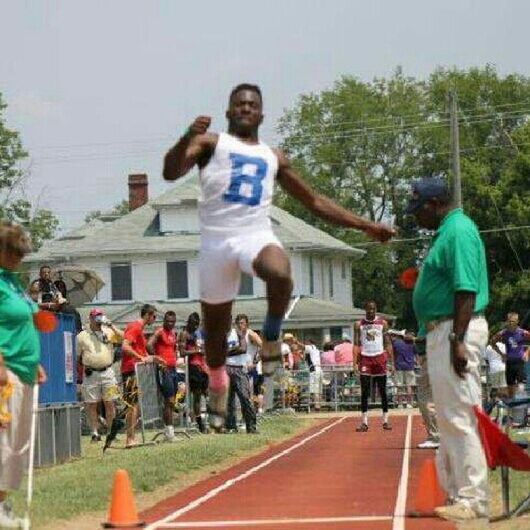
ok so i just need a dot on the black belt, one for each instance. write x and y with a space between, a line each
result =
89 370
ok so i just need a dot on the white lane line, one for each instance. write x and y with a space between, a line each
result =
264 522
401 501
229 483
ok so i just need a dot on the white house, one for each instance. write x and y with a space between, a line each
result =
151 255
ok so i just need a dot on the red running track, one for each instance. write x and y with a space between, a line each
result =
328 478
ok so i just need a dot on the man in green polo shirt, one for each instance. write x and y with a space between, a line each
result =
449 300
19 367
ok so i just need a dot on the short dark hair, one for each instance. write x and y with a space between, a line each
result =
194 317
370 302
170 314
242 316
147 309
246 86
45 266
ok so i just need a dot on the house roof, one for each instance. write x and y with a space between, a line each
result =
304 312
138 231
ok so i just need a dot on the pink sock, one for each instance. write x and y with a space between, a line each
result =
218 379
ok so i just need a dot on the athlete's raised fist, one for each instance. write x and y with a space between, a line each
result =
199 126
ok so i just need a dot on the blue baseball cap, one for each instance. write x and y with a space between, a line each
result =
425 189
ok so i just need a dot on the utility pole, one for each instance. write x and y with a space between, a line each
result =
455 151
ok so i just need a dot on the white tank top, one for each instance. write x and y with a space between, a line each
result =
372 336
233 341
237 186
252 349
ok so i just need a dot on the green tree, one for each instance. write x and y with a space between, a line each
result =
118 210
362 143
40 223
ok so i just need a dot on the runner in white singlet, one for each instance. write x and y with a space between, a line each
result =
237 173
371 336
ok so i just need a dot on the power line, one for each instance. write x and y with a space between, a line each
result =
388 129
425 114
89 157
427 237
428 120
360 122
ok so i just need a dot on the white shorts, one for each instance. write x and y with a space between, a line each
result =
100 386
222 259
315 382
405 378
15 437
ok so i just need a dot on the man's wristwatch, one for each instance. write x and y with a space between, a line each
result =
454 337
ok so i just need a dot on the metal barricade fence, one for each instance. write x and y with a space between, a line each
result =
332 388
335 388
151 402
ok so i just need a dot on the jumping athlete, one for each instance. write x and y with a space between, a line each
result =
237 173
371 334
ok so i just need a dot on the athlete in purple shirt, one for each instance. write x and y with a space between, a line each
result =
516 340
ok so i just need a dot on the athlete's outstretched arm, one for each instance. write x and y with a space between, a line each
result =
324 207
195 147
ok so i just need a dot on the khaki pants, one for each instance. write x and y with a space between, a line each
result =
461 462
14 440
425 401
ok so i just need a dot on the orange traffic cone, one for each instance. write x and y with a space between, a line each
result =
429 493
122 512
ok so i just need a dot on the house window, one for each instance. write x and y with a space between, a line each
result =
330 276
121 281
343 269
335 333
246 287
177 279
311 276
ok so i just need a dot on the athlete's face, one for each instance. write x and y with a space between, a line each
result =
512 322
169 322
371 310
245 112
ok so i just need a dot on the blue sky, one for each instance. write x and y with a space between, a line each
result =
99 89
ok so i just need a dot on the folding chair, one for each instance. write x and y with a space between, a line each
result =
501 451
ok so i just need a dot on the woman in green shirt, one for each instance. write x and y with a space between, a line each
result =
19 366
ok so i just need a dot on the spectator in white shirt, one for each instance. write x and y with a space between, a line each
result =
497 367
312 358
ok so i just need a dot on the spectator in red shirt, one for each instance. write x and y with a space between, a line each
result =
191 346
163 345
134 350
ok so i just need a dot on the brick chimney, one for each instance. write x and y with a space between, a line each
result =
138 191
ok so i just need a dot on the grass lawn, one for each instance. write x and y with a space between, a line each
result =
83 486
519 489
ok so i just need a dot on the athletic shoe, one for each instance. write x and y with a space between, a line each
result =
362 428
457 512
96 438
217 408
7 518
429 444
387 426
271 357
